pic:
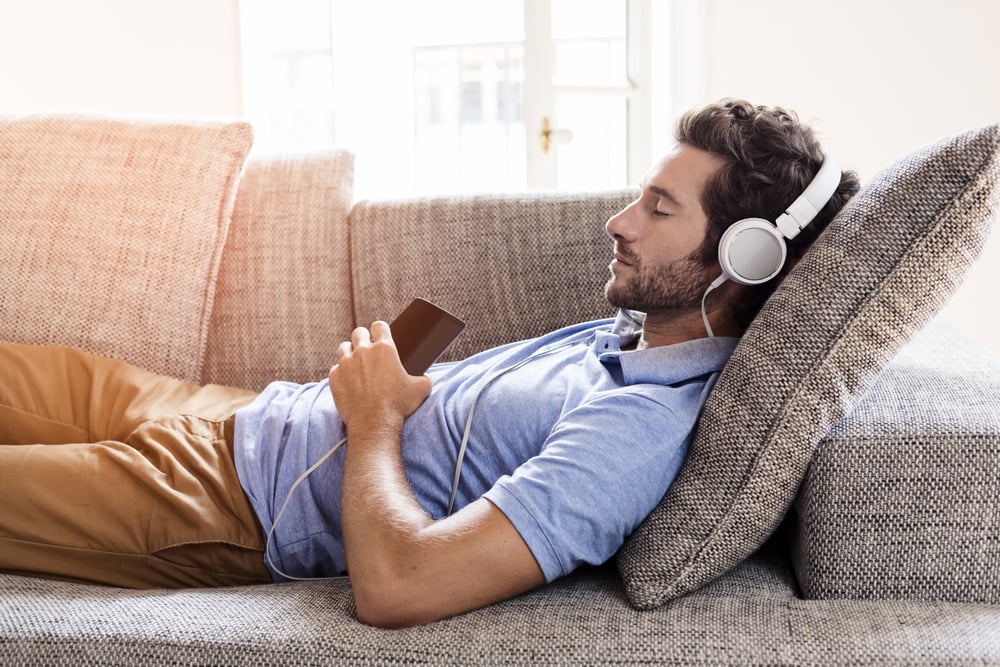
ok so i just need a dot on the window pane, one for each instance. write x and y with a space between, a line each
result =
596 157
292 25
590 62
589 43
290 72
469 132
575 19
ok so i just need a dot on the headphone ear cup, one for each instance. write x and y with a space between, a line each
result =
752 251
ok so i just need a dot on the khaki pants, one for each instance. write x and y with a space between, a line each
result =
110 474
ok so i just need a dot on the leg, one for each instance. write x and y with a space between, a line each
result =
163 510
64 395
156 502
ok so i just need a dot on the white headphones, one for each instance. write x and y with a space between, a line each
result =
752 251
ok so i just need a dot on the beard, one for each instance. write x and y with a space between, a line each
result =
674 287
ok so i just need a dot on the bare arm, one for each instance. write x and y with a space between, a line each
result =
406 568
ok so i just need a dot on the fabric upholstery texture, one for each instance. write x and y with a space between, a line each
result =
459 253
902 498
112 230
477 257
877 274
750 616
283 300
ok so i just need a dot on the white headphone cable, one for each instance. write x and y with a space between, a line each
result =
704 315
284 505
472 410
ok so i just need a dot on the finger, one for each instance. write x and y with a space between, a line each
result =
360 336
344 349
381 331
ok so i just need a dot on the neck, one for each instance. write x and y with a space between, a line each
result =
677 327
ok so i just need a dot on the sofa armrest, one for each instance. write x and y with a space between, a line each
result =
902 499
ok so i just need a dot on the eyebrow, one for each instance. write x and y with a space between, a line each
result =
665 194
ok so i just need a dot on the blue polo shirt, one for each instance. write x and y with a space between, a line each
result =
574 439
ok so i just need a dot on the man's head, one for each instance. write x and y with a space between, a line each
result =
769 158
658 238
756 161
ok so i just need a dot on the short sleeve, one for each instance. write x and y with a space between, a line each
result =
603 468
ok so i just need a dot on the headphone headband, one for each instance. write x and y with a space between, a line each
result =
812 200
752 251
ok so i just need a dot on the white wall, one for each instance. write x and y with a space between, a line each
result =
877 77
160 57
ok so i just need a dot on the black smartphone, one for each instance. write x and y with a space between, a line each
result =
422 333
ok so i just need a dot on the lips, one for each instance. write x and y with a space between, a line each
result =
624 258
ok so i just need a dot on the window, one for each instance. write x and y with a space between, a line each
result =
449 96
469 129
288 72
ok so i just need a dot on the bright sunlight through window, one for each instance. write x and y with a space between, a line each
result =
453 96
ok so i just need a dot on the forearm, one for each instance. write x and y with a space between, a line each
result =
375 485
380 515
405 567
384 529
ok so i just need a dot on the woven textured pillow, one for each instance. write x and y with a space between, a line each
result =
111 232
272 319
874 277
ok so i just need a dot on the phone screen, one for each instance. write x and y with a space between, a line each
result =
422 333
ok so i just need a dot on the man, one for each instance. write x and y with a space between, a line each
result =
552 449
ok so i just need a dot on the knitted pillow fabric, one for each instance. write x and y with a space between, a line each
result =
885 265
111 232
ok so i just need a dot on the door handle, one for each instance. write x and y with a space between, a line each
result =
549 135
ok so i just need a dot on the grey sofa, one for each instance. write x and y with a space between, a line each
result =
840 503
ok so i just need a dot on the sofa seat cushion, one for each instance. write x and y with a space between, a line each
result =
876 275
111 231
751 616
902 498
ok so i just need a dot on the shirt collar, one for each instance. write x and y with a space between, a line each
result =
664 364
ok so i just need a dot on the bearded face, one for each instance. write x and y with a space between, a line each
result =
657 266
672 287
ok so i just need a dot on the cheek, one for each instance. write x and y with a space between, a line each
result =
669 248
694 244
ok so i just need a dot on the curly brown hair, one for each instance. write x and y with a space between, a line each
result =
770 157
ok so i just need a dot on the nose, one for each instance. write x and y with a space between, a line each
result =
621 226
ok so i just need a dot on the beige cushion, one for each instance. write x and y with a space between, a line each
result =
511 266
111 232
885 265
283 300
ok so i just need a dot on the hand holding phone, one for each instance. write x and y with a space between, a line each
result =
422 333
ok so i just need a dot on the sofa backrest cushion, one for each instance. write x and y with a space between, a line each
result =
283 300
888 262
111 232
477 257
